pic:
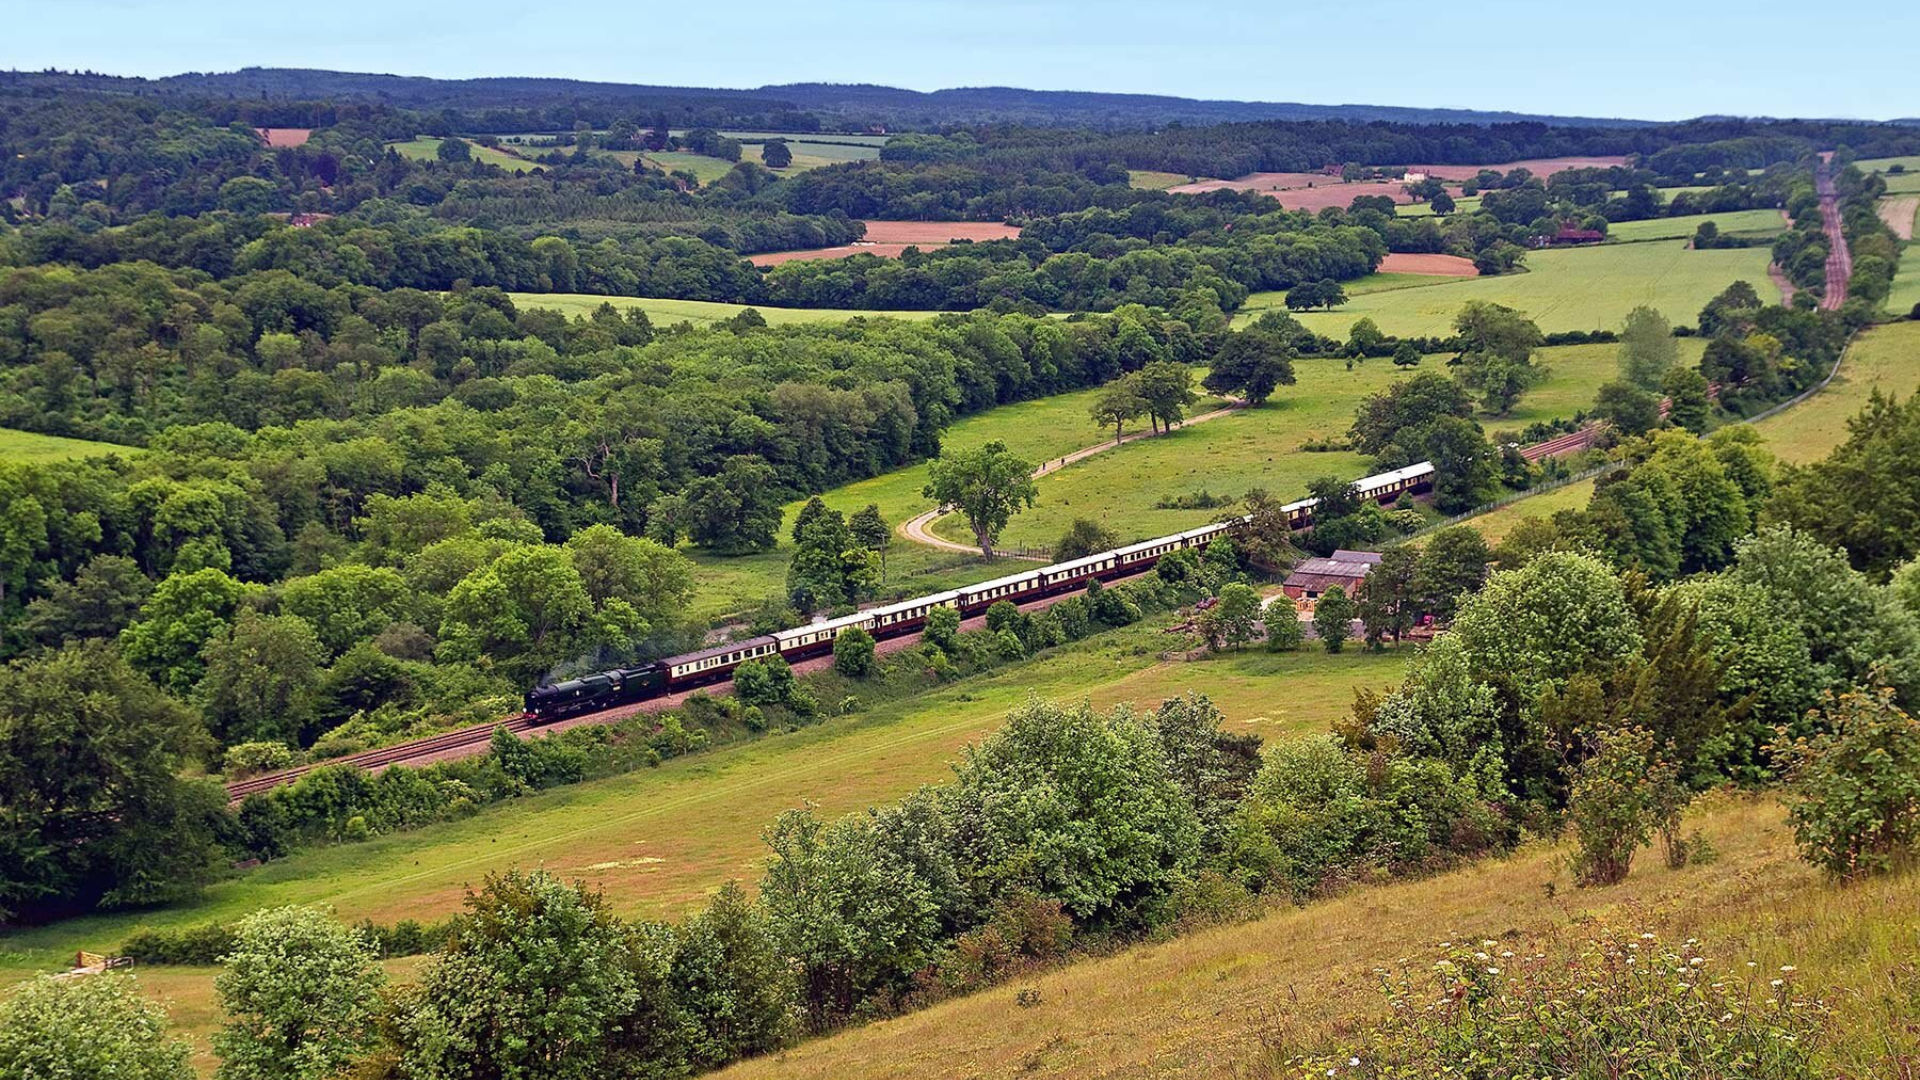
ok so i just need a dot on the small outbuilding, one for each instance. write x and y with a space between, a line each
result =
1346 569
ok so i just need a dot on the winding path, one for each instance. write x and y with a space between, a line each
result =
919 528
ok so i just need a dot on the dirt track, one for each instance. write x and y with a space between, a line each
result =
917 529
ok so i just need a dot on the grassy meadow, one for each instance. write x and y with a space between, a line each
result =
29 447
1261 447
427 148
1740 222
1902 183
1589 288
1239 1000
1151 180
1036 430
700 312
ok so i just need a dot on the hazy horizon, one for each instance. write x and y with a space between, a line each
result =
1497 56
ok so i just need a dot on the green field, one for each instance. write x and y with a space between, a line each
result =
1260 448
700 312
1884 358
1905 183
1742 222
1564 289
427 148
1149 180
31 446
705 169
1462 204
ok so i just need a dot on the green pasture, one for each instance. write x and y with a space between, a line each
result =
1152 180
1904 183
1261 447
1743 222
1589 288
700 312
705 169
427 148
1462 204
31 447
1884 358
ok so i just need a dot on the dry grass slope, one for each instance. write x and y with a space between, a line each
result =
1236 1001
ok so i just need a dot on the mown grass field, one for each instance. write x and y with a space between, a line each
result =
427 148
1261 448
1238 1000
700 312
1906 182
1462 204
31 446
705 169
1564 289
1886 358
1741 222
660 841
1151 180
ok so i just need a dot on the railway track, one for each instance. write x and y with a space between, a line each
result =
472 738
1839 258
375 760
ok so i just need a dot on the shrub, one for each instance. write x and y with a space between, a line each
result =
942 629
94 1027
1612 805
1003 615
853 653
252 758
767 681
1625 1006
1856 787
300 993
200 946
1284 632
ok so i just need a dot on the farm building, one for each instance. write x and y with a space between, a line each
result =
1346 569
1571 234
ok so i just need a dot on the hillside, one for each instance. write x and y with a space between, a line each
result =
1239 1000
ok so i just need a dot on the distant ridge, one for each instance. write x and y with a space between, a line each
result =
847 104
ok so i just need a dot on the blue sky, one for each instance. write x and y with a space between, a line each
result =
1655 60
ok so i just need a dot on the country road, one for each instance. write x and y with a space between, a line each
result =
918 528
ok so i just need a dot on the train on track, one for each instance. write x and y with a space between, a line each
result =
622 686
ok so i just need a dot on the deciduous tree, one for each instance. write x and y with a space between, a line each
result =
300 993
987 486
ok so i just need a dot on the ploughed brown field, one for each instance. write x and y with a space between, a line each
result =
888 239
285 136
1317 191
1438 265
